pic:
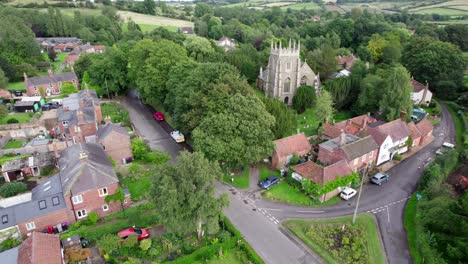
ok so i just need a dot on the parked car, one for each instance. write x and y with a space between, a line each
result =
53 105
269 182
448 145
178 136
158 116
380 178
134 231
18 93
347 193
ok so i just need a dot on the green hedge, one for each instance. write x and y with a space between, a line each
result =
251 254
207 252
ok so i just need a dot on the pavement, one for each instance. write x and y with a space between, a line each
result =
259 219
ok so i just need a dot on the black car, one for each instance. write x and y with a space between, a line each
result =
269 182
18 93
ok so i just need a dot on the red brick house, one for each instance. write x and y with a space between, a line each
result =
321 174
353 126
40 248
79 116
357 152
285 148
85 179
50 85
115 140
346 62
421 133
77 51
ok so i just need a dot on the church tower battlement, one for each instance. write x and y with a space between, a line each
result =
285 72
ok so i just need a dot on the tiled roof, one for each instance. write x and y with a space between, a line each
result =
5 93
424 126
60 77
415 133
105 130
40 248
396 129
322 175
331 131
417 86
292 144
352 126
360 147
348 60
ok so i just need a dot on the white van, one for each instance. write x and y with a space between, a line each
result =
448 145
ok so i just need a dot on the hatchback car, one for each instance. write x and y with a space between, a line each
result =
134 231
347 193
380 178
158 116
269 182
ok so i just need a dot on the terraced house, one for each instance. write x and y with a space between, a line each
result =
49 85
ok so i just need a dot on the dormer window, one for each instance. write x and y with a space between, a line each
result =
4 219
42 204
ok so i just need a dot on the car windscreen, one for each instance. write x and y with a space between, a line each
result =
138 231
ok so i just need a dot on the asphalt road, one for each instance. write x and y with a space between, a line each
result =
259 220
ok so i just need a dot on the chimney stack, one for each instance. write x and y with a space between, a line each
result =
403 115
342 140
364 122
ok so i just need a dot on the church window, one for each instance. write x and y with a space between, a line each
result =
287 85
304 80
288 65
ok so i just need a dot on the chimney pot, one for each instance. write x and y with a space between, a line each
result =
342 140
403 115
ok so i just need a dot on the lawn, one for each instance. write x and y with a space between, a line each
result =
284 192
13 144
234 256
16 86
410 227
21 117
337 240
241 180
137 180
117 113
308 124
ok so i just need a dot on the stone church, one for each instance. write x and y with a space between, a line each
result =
285 73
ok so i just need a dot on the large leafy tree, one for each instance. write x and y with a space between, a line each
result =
436 62
285 119
396 94
371 93
184 193
324 106
202 9
304 98
3 79
323 61
199 48
239 134
68 88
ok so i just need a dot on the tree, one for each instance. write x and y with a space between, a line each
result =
3 111
391 54
376 46
198 48
109 243
304 98
184 194
371 93
285 119
3 79
396 94
202 9
456 34
434 61
149 6
323 60
324 106
68 88
239 134
51 55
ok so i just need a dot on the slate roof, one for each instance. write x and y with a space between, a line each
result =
107 129
292 144
335 143
10 256
322 175
72 116
59 77
360 147
417 86
396 129
93 171
40 248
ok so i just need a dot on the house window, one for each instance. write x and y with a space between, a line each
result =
356 161
36 94
81 213
50 85
77 199
364 157
4 219
125 201
55 200
371 154
105 207
65 123
30 226
103 191
42 204
73 81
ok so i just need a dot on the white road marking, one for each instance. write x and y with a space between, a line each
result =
385 207
272 209
388 215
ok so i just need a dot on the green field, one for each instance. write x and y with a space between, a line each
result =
300 6
336 231
21 117
16 86
442 11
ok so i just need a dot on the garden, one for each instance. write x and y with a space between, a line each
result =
117 113
338 240
307 123
13 144
17 118
239 179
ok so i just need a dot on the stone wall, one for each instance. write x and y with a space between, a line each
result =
60 145
4 140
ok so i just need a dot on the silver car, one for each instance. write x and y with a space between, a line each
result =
380 178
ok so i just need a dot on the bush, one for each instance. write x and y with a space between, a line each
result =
294 160
93 218
397 157
12 121
47 170
9 243
12 188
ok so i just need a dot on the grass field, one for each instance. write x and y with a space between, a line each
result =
308 124
13 144
21 117
442 11
142 19
300 6
241 180
16 86
365 223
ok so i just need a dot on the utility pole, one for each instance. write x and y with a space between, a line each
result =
359 195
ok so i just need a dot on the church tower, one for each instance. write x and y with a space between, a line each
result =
285 73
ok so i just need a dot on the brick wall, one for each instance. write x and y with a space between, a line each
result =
117 146
43 221
362 160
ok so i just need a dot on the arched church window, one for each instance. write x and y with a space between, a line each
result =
304 80
287 85
288 65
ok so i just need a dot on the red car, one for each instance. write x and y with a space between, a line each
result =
158 116
134 231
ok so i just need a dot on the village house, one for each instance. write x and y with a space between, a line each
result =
421 132
226 43
321 175
346 62
286 148
50 85
358 152
420 94
73 56
354 126
38 248
17 169
85 178
115 140
391 137
79 116
49 43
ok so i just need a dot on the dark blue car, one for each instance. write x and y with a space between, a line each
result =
269 182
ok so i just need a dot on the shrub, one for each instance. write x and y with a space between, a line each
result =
397 157
9 243
47 170
12 188
130 241
12 121
145 244
294 160
93 217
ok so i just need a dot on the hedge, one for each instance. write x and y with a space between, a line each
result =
207 252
